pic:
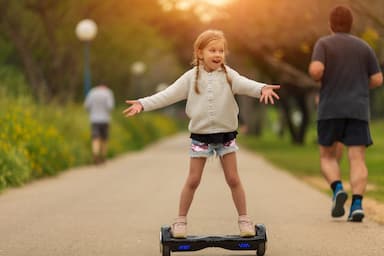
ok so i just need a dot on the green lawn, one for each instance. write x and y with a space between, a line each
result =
303 161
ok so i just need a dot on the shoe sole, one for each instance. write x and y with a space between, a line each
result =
338 207
356 216
247 234
179 236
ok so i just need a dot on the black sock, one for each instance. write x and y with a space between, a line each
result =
335 184
357 197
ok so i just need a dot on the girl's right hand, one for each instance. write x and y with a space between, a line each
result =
268 93
134 109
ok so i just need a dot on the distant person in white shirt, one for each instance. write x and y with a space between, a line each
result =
209 88
99 102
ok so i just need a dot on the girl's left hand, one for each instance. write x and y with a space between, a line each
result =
134 109
268 93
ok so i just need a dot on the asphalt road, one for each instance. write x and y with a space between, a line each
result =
118 209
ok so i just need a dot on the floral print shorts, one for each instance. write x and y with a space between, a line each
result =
202 149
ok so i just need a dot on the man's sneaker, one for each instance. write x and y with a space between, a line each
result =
338 203
179 227
246 226
356 213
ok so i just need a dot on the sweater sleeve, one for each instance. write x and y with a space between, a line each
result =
175 92
244 86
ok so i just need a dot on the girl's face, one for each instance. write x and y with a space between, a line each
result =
213 55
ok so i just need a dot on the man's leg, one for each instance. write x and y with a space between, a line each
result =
329 163
103 150
96 147
330 169
359 171
358 180
339 151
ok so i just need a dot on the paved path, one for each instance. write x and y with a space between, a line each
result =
117 209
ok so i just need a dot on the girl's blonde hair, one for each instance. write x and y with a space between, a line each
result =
200 43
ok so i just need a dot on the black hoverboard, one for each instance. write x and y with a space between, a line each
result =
169 244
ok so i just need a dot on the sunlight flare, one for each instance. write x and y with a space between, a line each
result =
205 9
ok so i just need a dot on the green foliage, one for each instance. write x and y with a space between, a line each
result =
29 146
37 140
377 103
38 37
12 81
14 166
371 36
5 50
301 160
136 132
375 161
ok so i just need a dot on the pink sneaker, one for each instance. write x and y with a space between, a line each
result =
179 227
246 226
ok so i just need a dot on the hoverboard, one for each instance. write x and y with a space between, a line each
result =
169 244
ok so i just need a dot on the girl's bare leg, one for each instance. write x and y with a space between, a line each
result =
196 167
229 164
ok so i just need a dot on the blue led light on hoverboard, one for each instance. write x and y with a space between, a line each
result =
244 245
184 247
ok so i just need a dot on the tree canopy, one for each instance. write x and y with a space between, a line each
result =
271 38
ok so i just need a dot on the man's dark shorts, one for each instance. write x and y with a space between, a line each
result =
100 131
351 132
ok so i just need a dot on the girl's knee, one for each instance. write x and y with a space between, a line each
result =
193 183
233 182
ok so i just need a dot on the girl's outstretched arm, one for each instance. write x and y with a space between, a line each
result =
134 109
268 93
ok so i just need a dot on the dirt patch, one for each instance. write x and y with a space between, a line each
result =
374 209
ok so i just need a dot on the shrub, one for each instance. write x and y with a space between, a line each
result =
42 140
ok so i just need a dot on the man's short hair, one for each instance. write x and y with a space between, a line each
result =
341 19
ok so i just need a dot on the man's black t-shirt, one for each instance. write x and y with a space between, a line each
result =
349 62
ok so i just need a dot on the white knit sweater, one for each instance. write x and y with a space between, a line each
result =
214 110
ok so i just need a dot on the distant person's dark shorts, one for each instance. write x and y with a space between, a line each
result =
351 132
100 130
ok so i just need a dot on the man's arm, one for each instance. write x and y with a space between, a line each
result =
376 80
316 70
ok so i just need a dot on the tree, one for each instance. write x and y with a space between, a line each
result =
42 35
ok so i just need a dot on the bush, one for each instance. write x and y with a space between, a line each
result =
42 140
13 82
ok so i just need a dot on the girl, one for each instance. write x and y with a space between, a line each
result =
209 89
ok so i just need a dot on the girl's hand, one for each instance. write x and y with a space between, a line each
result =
134 109
267 94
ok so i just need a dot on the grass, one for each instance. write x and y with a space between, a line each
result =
303 161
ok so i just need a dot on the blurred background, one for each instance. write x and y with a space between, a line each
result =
138 47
